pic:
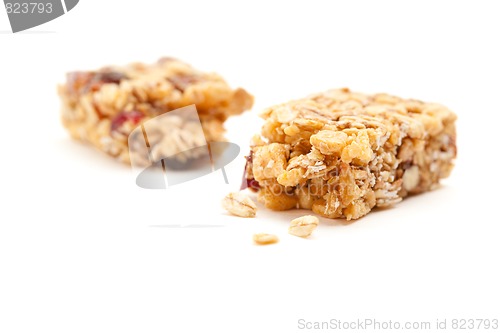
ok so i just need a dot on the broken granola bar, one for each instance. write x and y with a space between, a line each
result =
341 153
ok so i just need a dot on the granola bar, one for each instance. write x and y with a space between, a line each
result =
341 153
103 107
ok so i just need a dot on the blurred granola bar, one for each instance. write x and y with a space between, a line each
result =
103 107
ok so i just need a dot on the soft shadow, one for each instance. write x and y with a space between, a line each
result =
286 216
195 226
87 154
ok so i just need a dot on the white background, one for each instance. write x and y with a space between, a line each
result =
82 249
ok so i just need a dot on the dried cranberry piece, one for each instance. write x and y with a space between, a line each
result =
250 183
253 185
82 82
181 82
101 78
111 77
121 118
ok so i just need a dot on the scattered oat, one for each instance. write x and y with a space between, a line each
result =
265 239
303 226
239 204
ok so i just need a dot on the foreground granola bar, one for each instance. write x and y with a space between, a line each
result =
341 153
102 107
